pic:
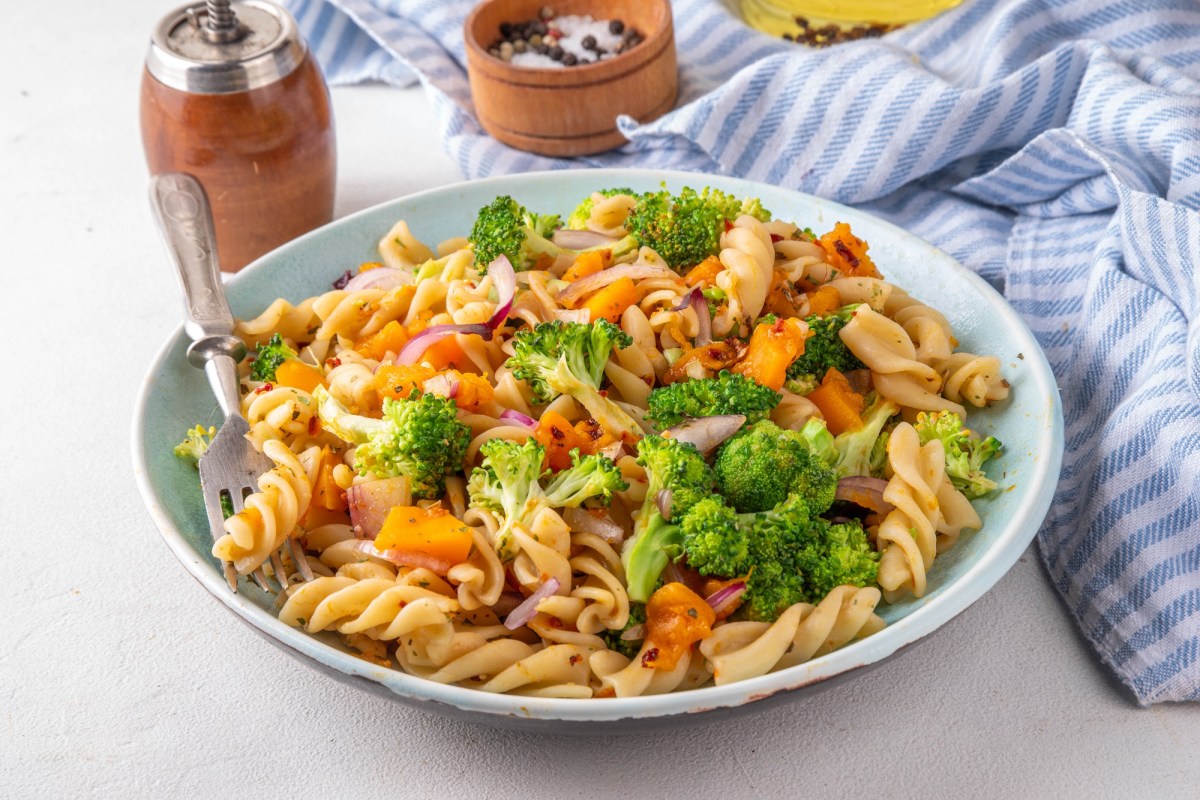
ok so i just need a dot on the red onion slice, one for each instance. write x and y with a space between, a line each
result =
707 433
569 239
523 613
699 304
378 278
404 558
635 633
507 602
677 572
598 280
370 503
415 347
613 451
584 521
864 491
519 418
505 280
573 315
723 598
443 385
687 299
664 500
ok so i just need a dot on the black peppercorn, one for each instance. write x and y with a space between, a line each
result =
556 53
569 59
615 27
506 29
589 42
540 28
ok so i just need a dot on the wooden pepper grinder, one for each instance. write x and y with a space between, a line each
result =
231 95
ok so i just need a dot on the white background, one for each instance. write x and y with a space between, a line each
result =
121 677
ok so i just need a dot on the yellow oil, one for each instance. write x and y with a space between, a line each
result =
778 17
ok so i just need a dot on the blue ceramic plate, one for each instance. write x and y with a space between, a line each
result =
175 396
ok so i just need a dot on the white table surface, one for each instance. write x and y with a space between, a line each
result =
121 677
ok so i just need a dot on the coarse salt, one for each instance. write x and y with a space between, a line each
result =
574 29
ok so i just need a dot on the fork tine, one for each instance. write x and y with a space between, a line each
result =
298 557
280 573
231 576
260 578
216 525
237 500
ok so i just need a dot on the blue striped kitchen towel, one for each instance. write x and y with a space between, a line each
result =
1051 145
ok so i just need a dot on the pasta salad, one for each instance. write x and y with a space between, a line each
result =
667 442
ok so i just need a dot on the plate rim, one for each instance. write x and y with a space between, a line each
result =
973 583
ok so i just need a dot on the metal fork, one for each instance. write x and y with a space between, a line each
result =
231 465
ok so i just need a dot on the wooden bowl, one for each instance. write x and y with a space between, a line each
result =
571 111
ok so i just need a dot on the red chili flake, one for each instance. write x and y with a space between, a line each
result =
555 622
333 361
341 282
314 426
845 253
555 32
266 387
728 226
604 392
575 659
649 657
556 433
775 237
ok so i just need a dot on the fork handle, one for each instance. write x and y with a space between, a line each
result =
185 221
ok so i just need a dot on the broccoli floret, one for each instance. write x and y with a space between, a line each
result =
802 384
727 393
762 464
226 506
686 228
774 539
269 357
195 444
825 348
785 555
627 647
860 452
679 468
505 227
711 539
508 483
568 358
419 437
878 458
583 212
834 555
819 440
754 207
591 476
966 453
